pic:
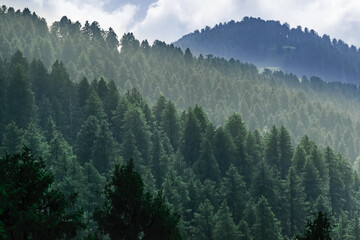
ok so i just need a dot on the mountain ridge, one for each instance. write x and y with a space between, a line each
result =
272 44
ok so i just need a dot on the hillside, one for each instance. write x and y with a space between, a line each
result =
224 181
238 154
276 45
326 112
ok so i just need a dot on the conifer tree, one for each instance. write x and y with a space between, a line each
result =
170 124
191 138
235 126
223 150
30 208
105 149
206 165
285 152
266 226
158 163
135 122
225 227
12 138
272 154
20 98
203 221
299 159
320 228
235 193
129 212
311 180
35 140
86 138
296 203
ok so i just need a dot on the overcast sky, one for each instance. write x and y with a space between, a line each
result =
168 20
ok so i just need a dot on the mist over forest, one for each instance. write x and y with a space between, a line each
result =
108 137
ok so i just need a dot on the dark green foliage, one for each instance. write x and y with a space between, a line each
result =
285 152
206 165
12 138
236 193
129 212
31 208
266 225
191 138
223 150
297 210
86 138
203 221
107 122
19 94
318 229
170 124
105 149
225 227
272 154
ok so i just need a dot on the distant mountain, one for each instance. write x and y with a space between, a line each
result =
274 45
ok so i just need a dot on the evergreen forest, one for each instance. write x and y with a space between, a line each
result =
271 44
212 147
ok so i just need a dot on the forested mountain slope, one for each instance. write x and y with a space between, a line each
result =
327 112
226 181
272 44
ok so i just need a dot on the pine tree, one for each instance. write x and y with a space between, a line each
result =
12 138
111 99
102 89
129 149
296 203
203 221
265 183
92 196
86 138
223 150
285 152
105 149
206 165
35 140
135 122
236 194
39 80
272 154
311 180
20 98
266 226
83 92
159 161
94 107
158 109
235 126
30 208
129 212
299 159
191 138
170 124
336 184
225 227
320 228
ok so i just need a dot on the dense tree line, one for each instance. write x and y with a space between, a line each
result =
326 112
272 44
224 181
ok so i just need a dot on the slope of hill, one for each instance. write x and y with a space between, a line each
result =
272 44
226 182
327 112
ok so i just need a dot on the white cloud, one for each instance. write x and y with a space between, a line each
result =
77 10
168 20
